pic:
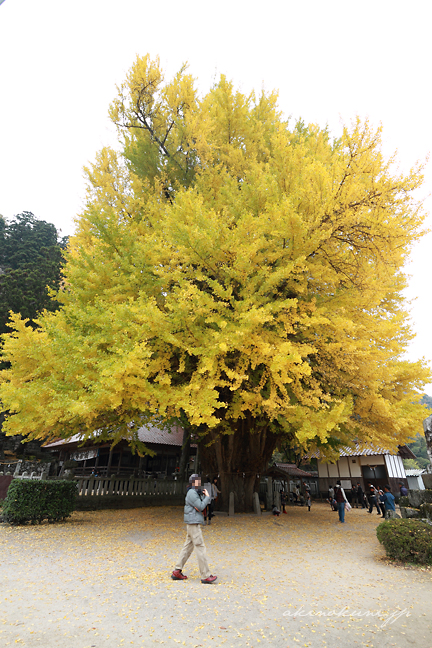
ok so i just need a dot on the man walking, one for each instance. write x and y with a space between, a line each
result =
194 518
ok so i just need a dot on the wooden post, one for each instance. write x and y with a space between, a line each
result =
231 504
256 503
119 461
185 455
111 486
269 503
109 462
196 460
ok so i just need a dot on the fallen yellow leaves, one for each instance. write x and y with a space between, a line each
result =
107 574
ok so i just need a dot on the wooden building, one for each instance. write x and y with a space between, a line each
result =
293 476
100 458
364 464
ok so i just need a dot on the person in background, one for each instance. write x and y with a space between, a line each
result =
340 498
275 510
283 497
372 492
215 492
381 502
307 492
308 500
331 499
360 495
354 496
389 503
208 511
403 490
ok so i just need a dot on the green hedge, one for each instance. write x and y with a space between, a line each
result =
404 501
407 540
33 501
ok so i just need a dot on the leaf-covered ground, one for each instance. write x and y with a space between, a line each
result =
102 580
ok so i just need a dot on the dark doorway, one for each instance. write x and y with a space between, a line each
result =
376 475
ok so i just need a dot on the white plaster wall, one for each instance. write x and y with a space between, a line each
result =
322 469
372 460
354 466
333 470
415 483
343 468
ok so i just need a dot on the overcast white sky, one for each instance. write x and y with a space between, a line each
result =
330 61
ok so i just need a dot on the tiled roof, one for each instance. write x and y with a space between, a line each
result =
55 444
150 434
365 451
292 470
146 434
414 472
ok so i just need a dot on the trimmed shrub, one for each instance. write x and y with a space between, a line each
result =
404 501
407 540
37 500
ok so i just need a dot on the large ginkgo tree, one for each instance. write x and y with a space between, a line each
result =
231 272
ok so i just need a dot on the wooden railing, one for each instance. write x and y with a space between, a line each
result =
128 487
125 472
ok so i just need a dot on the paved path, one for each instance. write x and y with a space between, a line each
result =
101 580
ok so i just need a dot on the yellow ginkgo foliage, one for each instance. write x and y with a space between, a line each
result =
231 272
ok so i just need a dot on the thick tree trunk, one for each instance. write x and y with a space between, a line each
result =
240 459
184 458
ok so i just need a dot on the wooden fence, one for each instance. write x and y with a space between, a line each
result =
124 492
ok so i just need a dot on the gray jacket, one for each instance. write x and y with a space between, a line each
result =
193 501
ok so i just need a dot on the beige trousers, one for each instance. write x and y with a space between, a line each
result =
194 540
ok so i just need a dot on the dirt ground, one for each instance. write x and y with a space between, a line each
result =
102 580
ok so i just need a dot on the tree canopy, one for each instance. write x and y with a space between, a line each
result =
30 265
418 446
233 272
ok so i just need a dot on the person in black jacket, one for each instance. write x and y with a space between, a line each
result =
360 495
373 499
354 496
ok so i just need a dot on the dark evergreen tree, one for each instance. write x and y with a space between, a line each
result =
31 257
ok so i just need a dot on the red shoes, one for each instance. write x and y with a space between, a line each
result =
177 575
